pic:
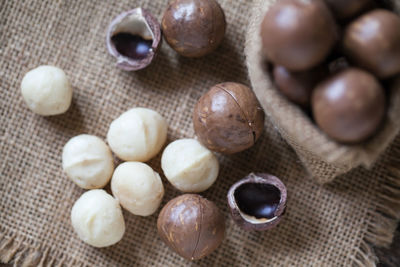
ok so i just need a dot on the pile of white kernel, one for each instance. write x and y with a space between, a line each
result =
136 136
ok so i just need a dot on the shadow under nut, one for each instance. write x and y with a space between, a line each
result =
228 118
194 28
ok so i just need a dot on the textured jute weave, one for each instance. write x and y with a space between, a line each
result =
329 225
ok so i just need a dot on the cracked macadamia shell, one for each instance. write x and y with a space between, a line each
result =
97 218
137 134
87 161
189 166
46 90
228 118
194 28
137 188
133 38
257 202
192 226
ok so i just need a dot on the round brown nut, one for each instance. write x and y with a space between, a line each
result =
372 42
298 86
192 226
228 118
347 9
257 202
298 34
194 28
349 106
133 38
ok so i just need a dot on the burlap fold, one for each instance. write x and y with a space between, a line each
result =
324 158
330 225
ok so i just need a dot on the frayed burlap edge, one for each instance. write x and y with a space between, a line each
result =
322 157
20 251
385 217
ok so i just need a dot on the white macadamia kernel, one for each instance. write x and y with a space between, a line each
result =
137 187
97 218
137 135
189 165
88 161
46 90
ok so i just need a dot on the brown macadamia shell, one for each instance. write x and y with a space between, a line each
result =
257 202
228 118
194 28
192 226
349 106
298 34
372 42
298 86
346 9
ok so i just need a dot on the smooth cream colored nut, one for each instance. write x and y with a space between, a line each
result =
97 218
88 161
137 135
137 188
47 90
189 166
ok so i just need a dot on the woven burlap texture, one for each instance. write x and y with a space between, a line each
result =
329 225
324 158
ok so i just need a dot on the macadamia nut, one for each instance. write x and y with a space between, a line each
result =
47 90
189 166
97 218
137 135
88 161
137 188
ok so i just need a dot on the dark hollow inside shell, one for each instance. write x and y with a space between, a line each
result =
132 46
258 200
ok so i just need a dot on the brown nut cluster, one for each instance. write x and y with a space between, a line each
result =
298 34
194 28
372 42
257 202
192 226
228 118
133 38
348 101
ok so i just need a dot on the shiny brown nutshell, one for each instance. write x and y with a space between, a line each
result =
133 38
372 42
194 28
228 118
257 202
192 226
349 106
298 86
298 34
347 9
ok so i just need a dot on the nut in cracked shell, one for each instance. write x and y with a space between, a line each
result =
133 38
194 28
257 202
228 118
192 226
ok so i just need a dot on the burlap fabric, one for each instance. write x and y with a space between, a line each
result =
324 158
329 225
